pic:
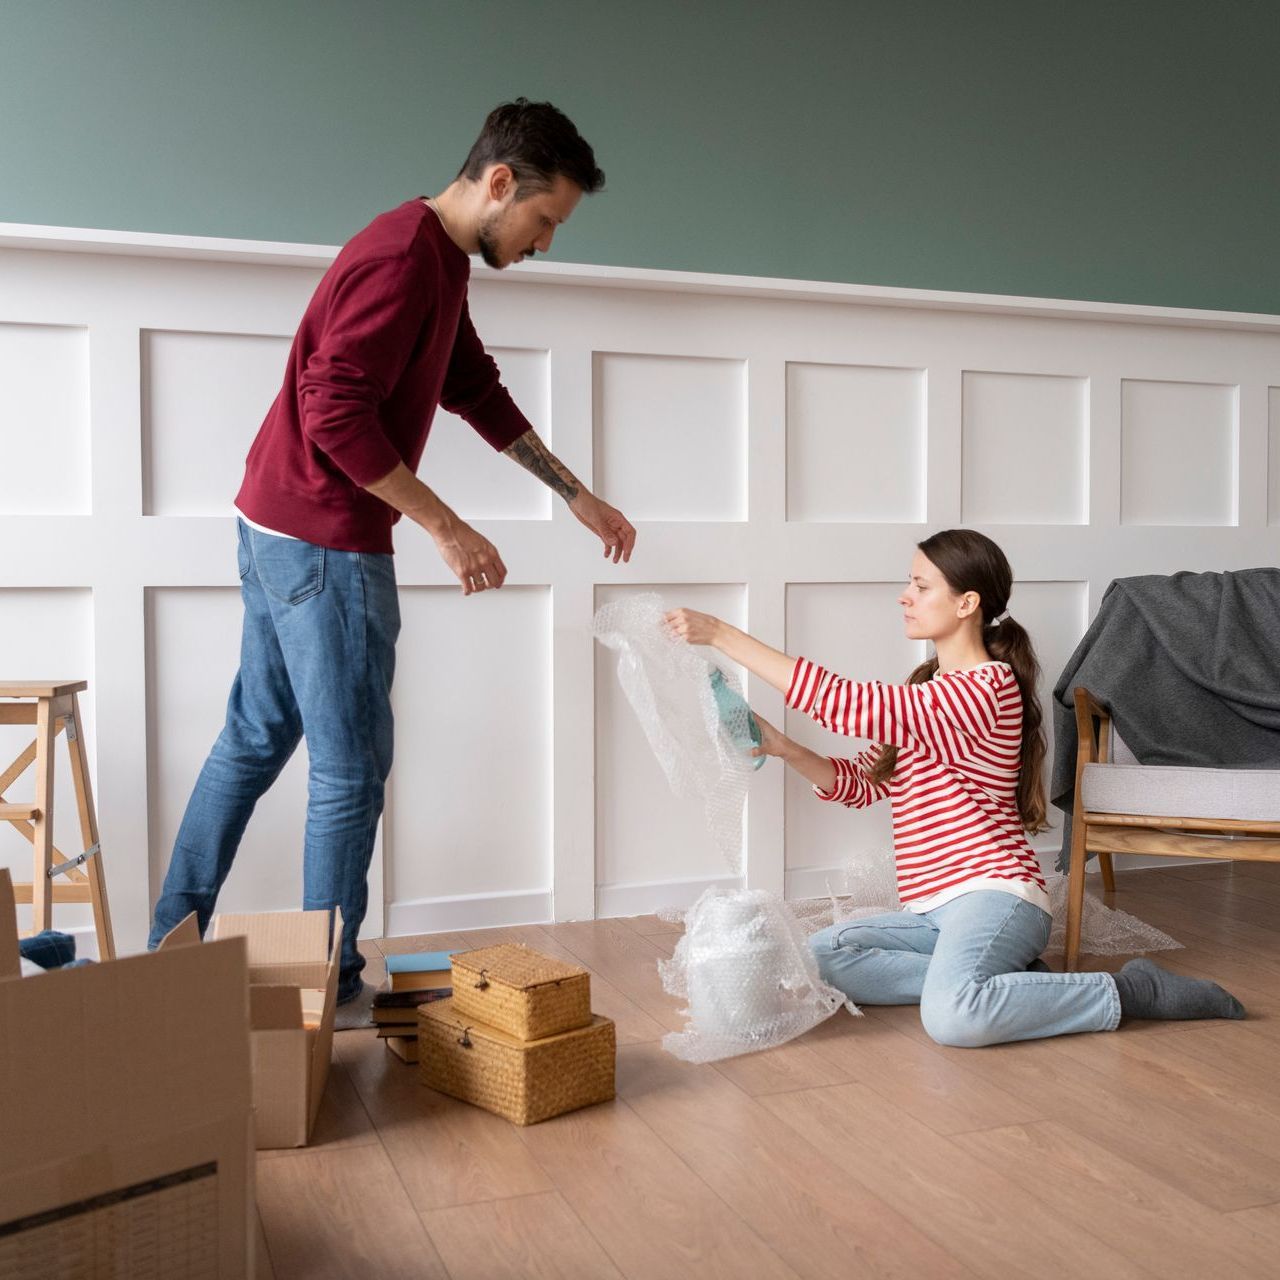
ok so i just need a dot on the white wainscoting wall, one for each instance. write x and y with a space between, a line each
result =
780 446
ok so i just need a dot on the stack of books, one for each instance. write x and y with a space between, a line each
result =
414 978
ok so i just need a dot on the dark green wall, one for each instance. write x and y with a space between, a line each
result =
1124 150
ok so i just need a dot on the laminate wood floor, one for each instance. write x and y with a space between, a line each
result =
861 1150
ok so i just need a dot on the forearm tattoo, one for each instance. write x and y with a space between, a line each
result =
534 456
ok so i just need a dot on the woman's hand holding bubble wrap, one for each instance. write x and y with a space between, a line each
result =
693 627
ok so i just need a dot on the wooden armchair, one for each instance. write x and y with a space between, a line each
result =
1122 806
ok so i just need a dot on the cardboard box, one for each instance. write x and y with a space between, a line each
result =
125 1123
293 990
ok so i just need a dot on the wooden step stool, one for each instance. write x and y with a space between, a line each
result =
53 708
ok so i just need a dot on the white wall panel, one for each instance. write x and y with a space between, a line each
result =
468 811
644 833
44 419
855 443
1180 443
47 635
780 448
670 436
193 653
204 396
1025 449
469 474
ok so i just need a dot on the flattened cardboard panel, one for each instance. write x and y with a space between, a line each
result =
156 1091
162 1227
132 1019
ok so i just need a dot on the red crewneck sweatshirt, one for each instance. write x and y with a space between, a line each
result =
385 339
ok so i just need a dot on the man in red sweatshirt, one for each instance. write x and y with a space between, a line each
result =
386 338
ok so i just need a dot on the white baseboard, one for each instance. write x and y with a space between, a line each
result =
468 911
641 899
814 882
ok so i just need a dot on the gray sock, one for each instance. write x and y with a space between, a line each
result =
1148 991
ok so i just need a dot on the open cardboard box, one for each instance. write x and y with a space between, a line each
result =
125 1122
293 989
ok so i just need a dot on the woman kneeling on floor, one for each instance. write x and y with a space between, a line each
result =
959 758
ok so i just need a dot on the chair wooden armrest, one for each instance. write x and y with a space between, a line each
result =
1093 721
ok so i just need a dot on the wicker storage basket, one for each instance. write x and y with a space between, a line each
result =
520 991
523 1080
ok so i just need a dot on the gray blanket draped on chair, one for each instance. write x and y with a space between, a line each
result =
1189 666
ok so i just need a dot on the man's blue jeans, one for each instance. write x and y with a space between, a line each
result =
317 658
965 966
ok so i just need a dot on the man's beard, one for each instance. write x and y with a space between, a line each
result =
487 237
489 243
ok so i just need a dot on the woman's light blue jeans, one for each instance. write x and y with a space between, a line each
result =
965 965
317 656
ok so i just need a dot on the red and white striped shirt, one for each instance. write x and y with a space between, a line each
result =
956 826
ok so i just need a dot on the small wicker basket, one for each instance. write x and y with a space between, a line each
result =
523 1080
520 991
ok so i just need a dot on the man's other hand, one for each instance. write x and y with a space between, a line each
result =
607 523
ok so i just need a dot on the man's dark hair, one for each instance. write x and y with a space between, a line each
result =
537 142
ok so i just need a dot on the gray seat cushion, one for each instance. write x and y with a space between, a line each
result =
1177 792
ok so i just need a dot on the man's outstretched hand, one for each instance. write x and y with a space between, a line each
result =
472 558
607 523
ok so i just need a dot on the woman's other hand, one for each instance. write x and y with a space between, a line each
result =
775 742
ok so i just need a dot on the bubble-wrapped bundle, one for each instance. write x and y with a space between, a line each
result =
692 713
751 981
